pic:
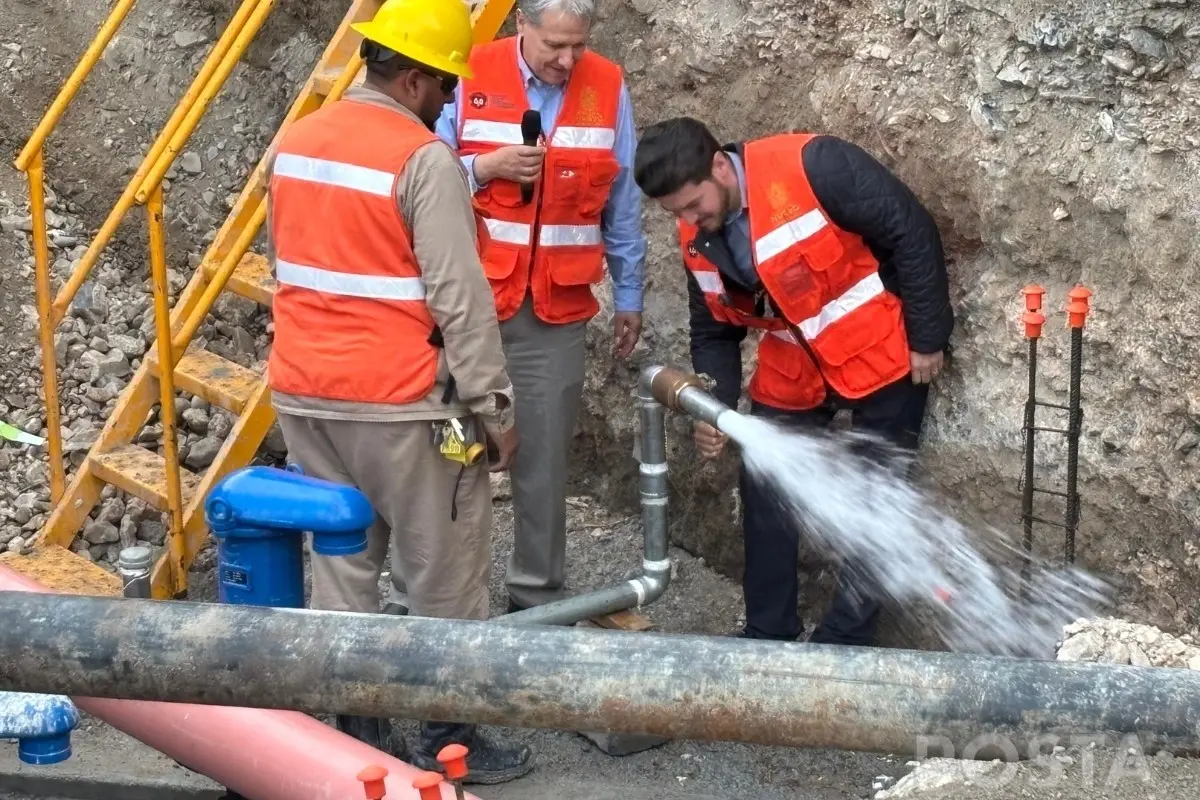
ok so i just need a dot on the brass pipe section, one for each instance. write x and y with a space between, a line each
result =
669 382
686 393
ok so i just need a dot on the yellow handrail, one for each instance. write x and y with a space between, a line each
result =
109 229
65 95
41 268
166 384
344 80
180 137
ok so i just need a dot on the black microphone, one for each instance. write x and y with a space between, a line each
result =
531 131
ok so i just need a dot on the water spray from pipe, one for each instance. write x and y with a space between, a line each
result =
850 497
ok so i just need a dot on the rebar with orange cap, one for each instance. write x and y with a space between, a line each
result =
1033 321
428 786
1078 306
372 780
453 758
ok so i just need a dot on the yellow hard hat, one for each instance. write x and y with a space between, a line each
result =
436 33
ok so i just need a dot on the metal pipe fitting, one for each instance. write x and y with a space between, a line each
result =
656 564
666 383
674 686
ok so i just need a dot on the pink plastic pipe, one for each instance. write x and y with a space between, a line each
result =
262 754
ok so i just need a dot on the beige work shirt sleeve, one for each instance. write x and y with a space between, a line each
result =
435 201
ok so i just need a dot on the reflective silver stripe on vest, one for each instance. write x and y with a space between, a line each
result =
375 287
568 235
710 282
788 234
584 138
478 130
854 297
509 232
334 173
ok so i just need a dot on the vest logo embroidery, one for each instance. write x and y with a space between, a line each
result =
589 108
478 100
782 209
692 251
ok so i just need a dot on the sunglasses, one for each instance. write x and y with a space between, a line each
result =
448 82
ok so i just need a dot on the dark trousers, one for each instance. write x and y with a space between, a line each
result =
770 583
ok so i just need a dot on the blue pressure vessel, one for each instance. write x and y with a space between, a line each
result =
259 515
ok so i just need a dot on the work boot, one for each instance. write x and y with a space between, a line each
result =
375 731
489 760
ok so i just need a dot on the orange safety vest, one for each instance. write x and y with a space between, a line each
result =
839 326
552 245
350 316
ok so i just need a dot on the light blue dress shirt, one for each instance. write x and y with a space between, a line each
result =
621 220
737 230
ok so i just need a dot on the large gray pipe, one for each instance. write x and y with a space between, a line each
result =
656 565
689 687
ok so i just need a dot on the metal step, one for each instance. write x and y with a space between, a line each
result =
218 380
142 474
251 279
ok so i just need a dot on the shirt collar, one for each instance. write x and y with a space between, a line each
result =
527 76
741 178
364 93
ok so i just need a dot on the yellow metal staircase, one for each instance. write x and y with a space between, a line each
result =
229 265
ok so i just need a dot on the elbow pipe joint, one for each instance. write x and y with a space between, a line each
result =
653 582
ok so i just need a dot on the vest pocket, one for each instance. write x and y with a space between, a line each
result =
565 177
501 192
866 349
570 267
794 288
602 173
786 377
500 261
823 249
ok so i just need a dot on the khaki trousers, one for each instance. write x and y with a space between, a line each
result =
445 563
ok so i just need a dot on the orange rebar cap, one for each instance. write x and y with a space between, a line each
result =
372 781
453 758
1078 306
1033 297
1033 324
429 784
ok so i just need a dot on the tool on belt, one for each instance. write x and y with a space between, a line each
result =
454 440
455 444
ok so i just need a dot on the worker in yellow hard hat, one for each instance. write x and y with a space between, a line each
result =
387 364
431 38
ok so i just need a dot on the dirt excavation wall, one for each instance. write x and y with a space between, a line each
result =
1054 142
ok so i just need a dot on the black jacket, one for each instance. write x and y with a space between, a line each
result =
861 196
